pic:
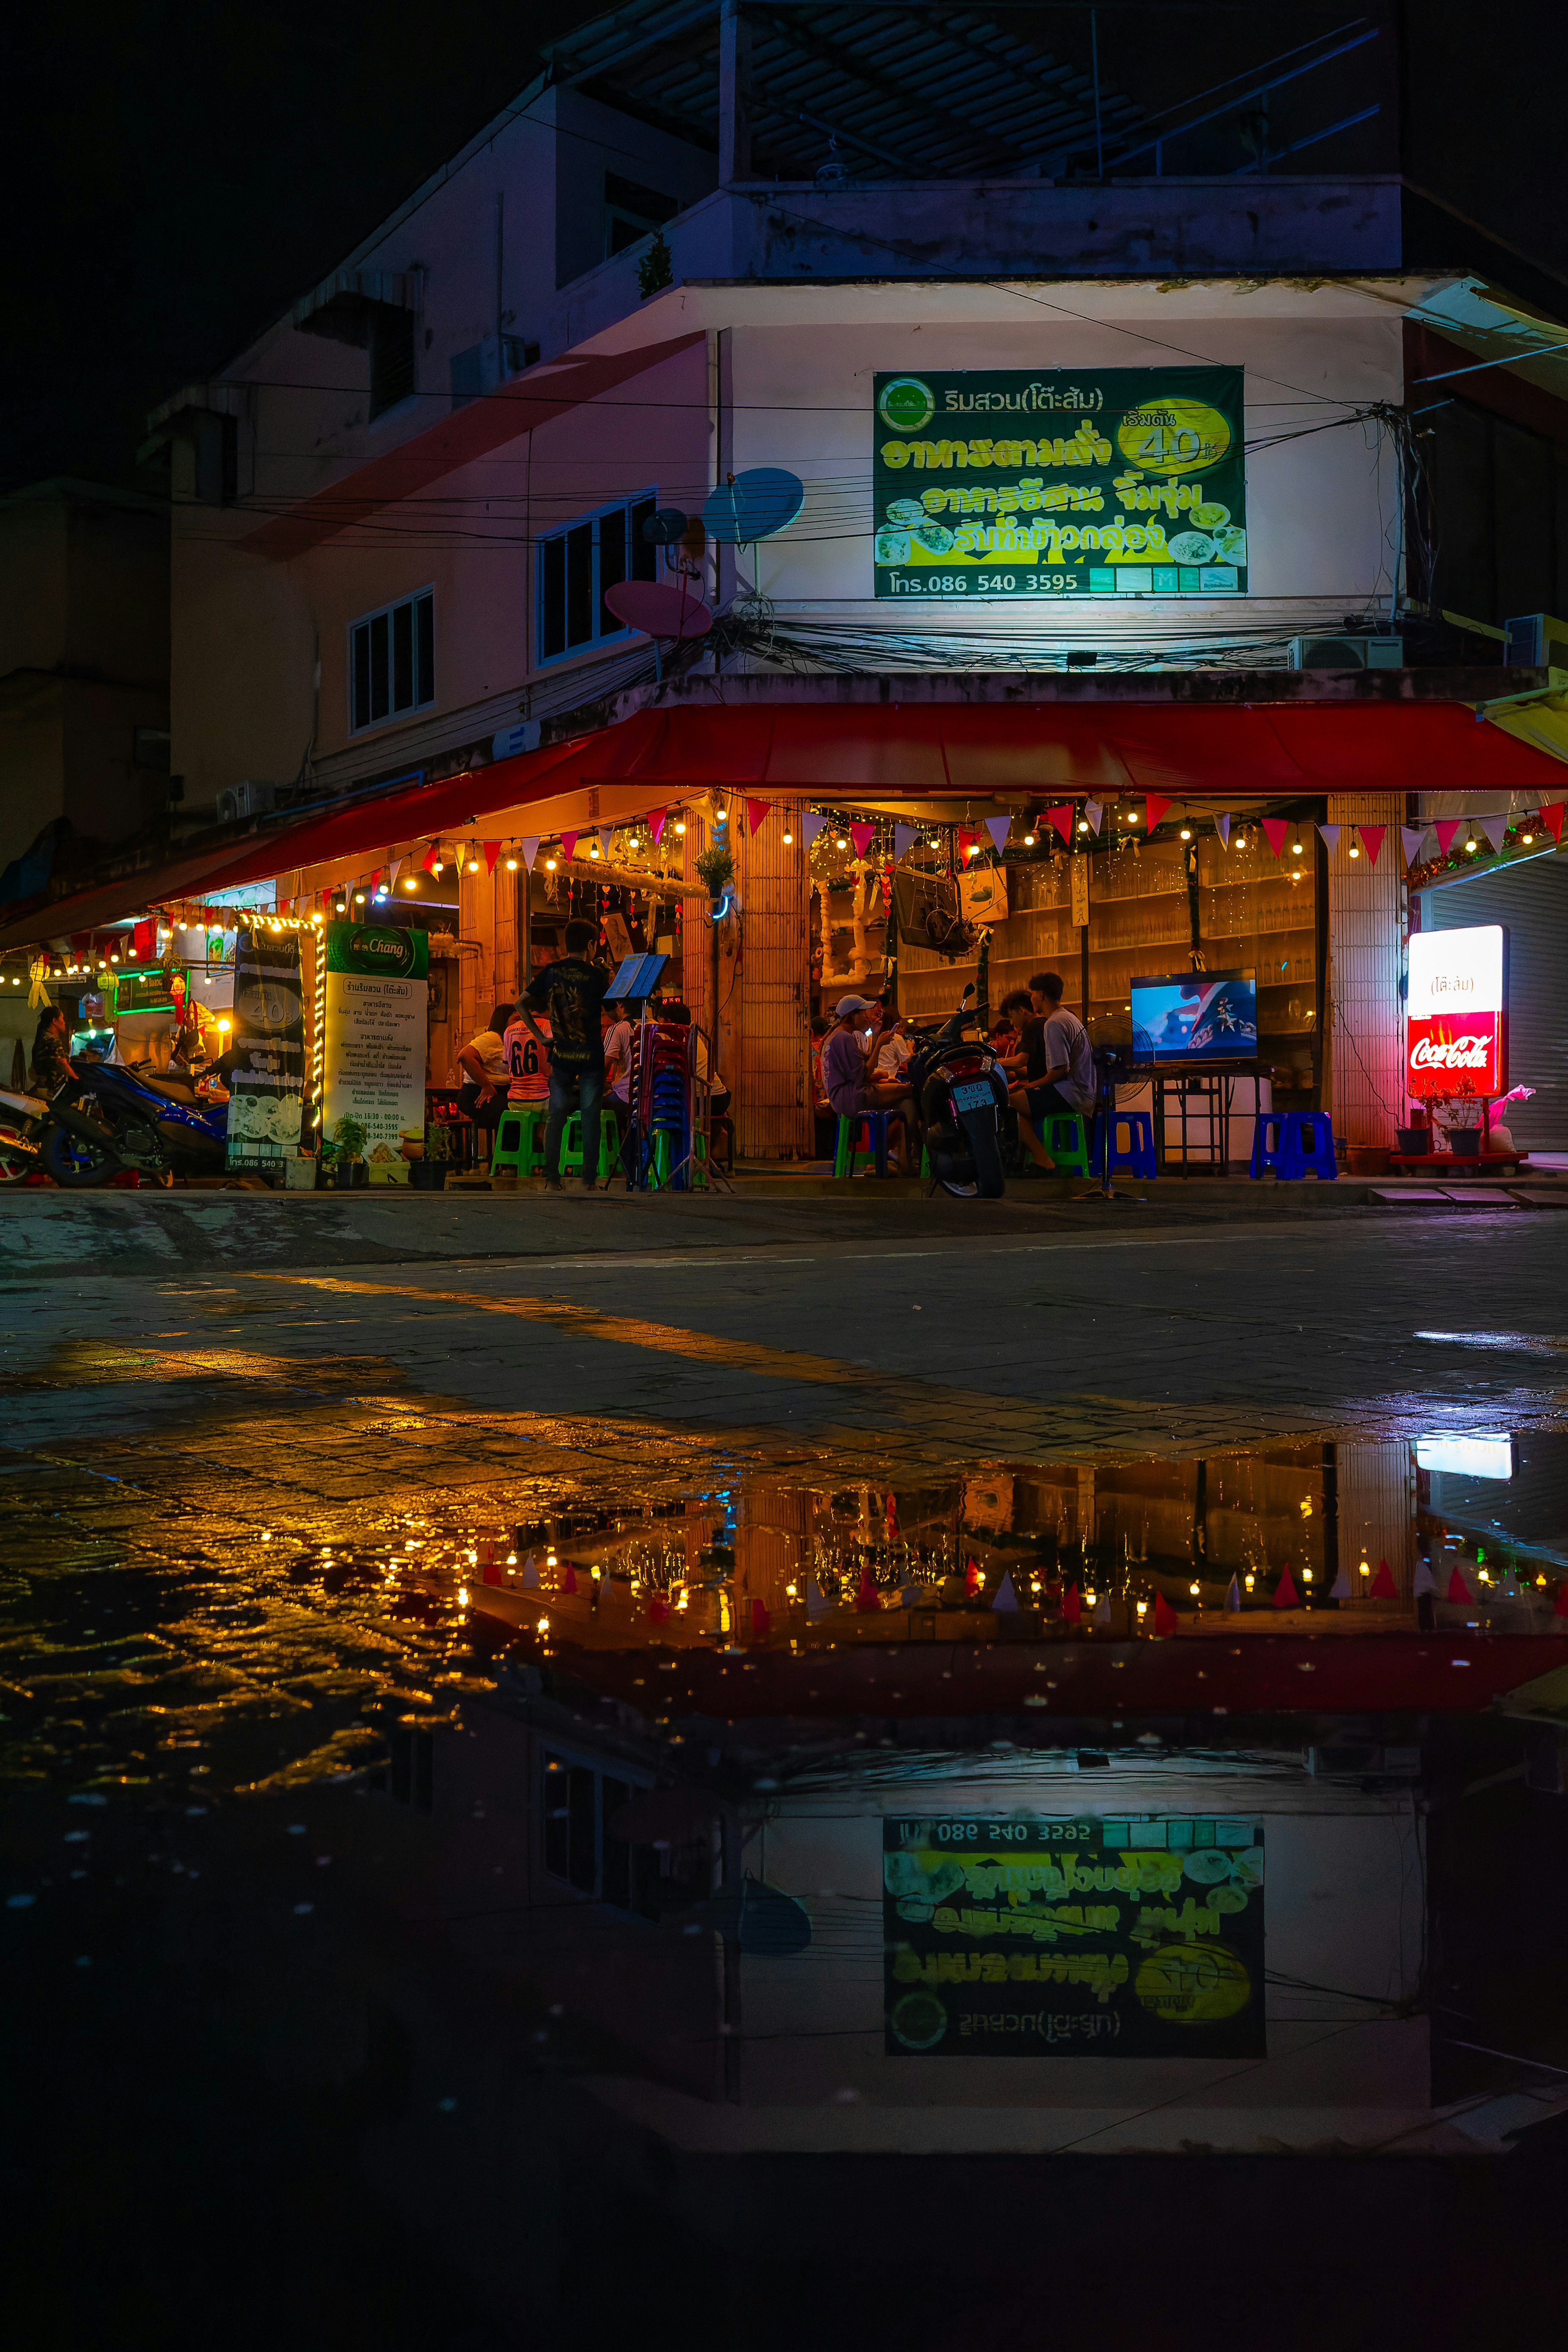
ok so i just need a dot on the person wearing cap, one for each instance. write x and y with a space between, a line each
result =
849 1078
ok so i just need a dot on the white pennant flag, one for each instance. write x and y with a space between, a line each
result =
1331 834
815 1598
1411 837
1094 811
1495 828
1340 1590
1005 1595
1233 1598
395 869
603 845
1222 826
530 847
810 827
529 1574
1423 1581
904 838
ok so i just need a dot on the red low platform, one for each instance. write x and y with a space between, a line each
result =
1487 1163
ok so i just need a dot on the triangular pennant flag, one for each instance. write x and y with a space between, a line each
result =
1154 809
1005 1597
568 848
1551 818
1372 840
1102 1610
891 1516
395 868
810 827
1449 826
656 824
659 1609
604 844
1285 1593
530 1577
755 811
1411 837
1062 820
904 839
1560 1606
968 843
1165 1617
1094 811
910 1594
1222 826
1331 834
492 1574
1072 1607
375 881
1496 830
492 851
1384 1588
998 827
1340 1590
568 1578
817 1602
1423 1581
1459 1589
759 1617
432 857
1275 828
1233 1596
862 834
972 1578
867 1597
530 849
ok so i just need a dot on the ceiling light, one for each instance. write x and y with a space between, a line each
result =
340 908
680 825
1131 816
412 883
1527 838
973 849
1468 846
359 901
1083 824
594 852
1029 841
1295 849
720 816
839 842
511 866
1186 831
788 837
550 865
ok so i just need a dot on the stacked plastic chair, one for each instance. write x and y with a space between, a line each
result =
662 1091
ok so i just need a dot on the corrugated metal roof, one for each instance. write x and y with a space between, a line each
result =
916 92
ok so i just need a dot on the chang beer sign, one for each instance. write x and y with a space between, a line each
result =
1116 481
376 947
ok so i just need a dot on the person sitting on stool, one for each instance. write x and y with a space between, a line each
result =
483 1064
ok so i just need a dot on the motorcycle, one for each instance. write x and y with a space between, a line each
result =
961 1099
109 1117
21 1119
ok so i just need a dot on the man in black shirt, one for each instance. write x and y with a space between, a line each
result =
572 991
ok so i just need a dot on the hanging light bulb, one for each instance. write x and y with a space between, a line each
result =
839 842
1470 847
1194 1589
1295 849
411 882
1527 838
1029 841
1083 825
1187 833
1354 851
594 850
359 901
788 838
550 865
511 866
680 825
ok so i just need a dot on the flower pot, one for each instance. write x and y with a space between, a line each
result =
1465 1142
1415 1141
428 1175
1369 1160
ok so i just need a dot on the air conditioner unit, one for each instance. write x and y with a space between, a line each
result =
1347 653
245 799
1535 641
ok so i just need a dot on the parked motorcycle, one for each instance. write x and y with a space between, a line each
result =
961 1098
22 1120
111 1116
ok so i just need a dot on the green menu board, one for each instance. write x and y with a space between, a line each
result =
1084 1937
1117 481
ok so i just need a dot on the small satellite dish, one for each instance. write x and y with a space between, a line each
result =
665 527
754 506
663 611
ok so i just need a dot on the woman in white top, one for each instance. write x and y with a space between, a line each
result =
484 1066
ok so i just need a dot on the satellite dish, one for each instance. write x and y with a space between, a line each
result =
754 506
665 527
662 611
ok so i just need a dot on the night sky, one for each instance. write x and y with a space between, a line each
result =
180 172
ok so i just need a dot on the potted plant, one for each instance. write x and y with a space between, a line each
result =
715 868
428 1173
349 1137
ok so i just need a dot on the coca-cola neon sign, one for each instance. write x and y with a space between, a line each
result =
1457 1013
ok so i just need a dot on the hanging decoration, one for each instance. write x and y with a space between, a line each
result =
972 1578
1285 1593
1153 809
999 827
862 836
868 1598
1423 1581
1061 818
1005 1596
1165 1617
1458 1590
810 825
1411 837
816 1600
1094 811
1496 830
1551 818
1372 840
759 1618
1233 1596
904 839
605 839
1222 826
395 869
568 848
432 860
1331 834
1072 1605
1340 1590
1382 1585
656 824
530 845
1446 828
968 841
1275 828
755 811
492 851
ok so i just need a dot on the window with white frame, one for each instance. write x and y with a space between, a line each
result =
582 1844
392 661
577 565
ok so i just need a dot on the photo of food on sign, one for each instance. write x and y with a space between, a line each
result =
1080 1938
1119 481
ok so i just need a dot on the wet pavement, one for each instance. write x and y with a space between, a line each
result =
526 1780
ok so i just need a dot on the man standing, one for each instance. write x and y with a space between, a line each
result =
619 1081
852 1088
1066 1076
572 989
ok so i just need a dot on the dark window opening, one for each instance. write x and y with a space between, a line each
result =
1496 506
392 661
552 598
632 211
580 584
413 1767
579 565
391 356
581 1847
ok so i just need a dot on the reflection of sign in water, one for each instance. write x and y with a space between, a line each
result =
1067 1937
1456 1023
269 1042
375 1048
1475 1456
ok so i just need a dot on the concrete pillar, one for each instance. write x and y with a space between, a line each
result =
1368 915
734 94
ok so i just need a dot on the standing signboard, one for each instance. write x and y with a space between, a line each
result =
376 1038
1456 1014
267 1082
1101 481
1020 1938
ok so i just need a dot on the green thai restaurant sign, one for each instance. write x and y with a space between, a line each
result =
1115 481
378 948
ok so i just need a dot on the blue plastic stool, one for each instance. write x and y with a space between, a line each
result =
873 1125
519 1138
1306 1146
1138 1155
1266 1154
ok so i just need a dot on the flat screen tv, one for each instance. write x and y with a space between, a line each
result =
1195 1017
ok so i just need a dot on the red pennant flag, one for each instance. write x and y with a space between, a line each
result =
1072 1607
1560 1606
568 1578
1062 818
492 1573
966 842
972 1578
374 879
1449 826
432 857
1382 1585
758 1619
1372 840
862 836
568 848
1154 809
659 1609
142 936
892 1515
1165 1617
1276 828
867 1597
755 811
1459 1589
656 824
1285 1593
1551 818
492 851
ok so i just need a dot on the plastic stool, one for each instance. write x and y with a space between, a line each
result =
1073 1154
1266 1154
519 1138
609 1143
1306 1146
1138 1154
873 1125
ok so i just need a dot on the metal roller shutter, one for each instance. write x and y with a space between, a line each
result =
1533 900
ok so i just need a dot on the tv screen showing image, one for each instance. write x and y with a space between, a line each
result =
1195 1017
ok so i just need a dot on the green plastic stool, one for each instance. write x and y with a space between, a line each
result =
609 1144
1072 1154
519 1138
847 1153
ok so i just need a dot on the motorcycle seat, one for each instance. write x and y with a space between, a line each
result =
175 1090
28 1106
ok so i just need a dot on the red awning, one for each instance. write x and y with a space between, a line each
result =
1224 755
